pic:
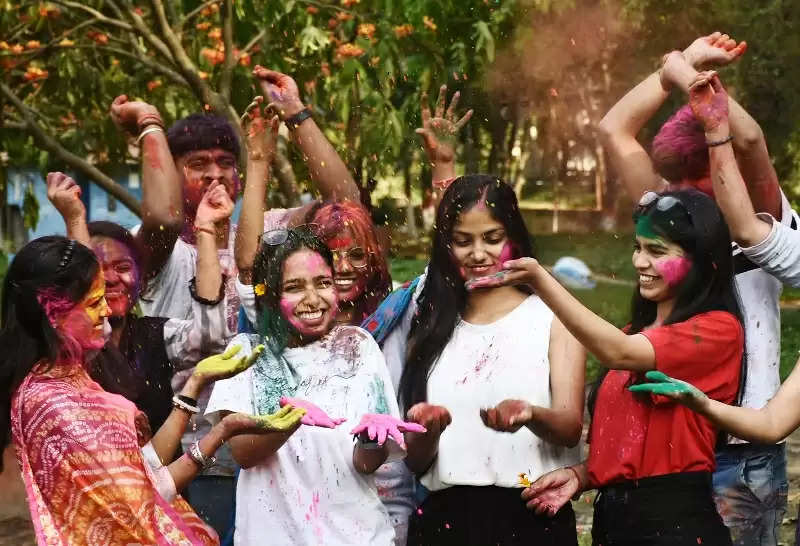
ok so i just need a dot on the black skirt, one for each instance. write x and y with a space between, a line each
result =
486 516
668 510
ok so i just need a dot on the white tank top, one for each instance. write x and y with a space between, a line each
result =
481 366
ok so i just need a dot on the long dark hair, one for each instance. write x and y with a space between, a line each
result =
268 283
444 298
697 226
50 265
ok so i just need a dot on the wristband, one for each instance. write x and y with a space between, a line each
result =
147 130
713 143
180 404
206 301
292 122
148 120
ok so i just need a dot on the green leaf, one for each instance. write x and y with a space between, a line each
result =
312 39
484 40
30 208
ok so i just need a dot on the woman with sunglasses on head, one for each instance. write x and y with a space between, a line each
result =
310 485
650 458
90 475
494 378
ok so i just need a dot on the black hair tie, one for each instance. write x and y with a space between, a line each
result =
67 255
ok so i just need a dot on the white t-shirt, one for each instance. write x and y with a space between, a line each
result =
481 366
779 252
760 294
309 492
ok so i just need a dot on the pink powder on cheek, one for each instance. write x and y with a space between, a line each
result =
287 306
506 254
674 269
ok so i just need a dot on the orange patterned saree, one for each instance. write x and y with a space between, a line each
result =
85 476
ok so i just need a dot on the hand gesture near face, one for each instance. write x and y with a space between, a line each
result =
65 195
262 132
127 115
280 91
215 207
440 131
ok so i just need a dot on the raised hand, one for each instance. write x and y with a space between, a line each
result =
315 416
262 133
215 207
508 415
434 418
380 426
716 49
128 115
709 100
680 391
439 132
225 365
285 419
280 90
550 492
65 195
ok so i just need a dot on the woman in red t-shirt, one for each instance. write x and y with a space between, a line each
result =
651 458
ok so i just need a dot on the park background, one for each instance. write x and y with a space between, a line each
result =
539 74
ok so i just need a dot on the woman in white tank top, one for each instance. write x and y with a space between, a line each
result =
478 376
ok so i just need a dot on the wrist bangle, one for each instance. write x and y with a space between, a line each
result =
199 459
580 483
147 130
188 399
725 140
149 119
292 122
182 405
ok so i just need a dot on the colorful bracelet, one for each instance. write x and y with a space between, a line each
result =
199 459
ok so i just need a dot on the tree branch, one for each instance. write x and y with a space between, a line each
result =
141 27
78 163
253 42
193 13
226 74
96 14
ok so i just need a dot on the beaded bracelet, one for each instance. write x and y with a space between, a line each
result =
180 404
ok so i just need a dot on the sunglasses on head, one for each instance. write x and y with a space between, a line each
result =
662 203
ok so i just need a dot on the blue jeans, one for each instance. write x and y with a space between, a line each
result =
750 490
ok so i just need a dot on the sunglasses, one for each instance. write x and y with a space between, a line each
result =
662 203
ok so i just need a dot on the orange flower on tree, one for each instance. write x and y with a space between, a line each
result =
244 59
213 56
48 10
215 33
153 84
403 30
35 73
428 22
341 16
66 42
4 45
210 10
203 26
349 51
17 49
33 44
367 30
203 75
312 10
97 37
350 3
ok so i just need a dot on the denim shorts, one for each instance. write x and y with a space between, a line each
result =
750 490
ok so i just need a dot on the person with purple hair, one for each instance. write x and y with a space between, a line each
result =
750 484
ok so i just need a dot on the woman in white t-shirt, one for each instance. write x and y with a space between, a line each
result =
311 485
479 378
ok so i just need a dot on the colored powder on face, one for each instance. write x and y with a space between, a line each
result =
287 306
644 228
506 254
673 269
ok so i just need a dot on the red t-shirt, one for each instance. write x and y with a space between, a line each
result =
636 435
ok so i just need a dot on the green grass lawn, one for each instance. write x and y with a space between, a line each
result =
610 255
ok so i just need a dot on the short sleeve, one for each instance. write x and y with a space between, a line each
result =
233 394
247 297
705 350
779 253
